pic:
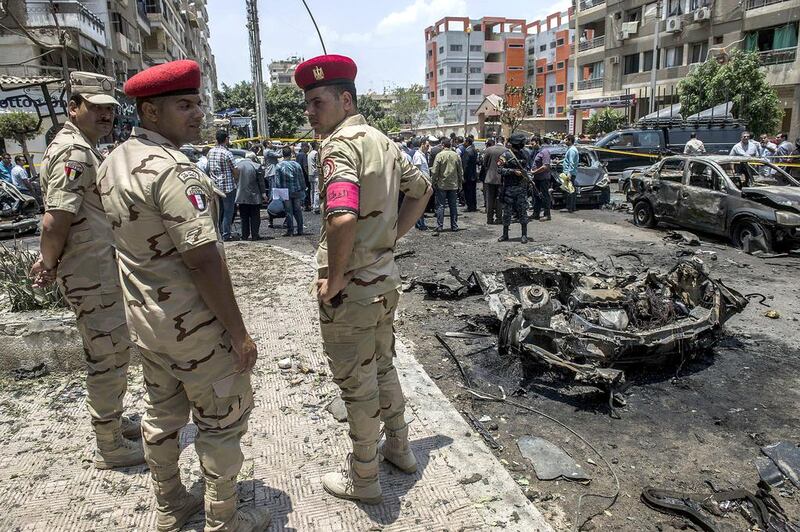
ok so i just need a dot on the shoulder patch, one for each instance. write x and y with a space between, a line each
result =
73 169
187 175
328 168
197 197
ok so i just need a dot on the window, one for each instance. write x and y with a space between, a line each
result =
475 48
543 48
441 92
560 88
474 92
674 8
552 45
702 176
474 70
698 52
456 70
673 57
560 110
648 139
550 67
551 89
560 42
432 95
430 53
456 47
623 140
456 92
633 15
718 39
631 64
560 65
596 70
539 70
571 86
516 45
672 170
551 110
441 49
647 61
441 71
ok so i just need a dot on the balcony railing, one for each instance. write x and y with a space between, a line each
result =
776 57
753 4
588 4
587 84
597 42
70 14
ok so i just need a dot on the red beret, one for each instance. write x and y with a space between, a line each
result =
325 70
169 79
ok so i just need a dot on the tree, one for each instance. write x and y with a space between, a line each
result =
605 121
240 96
387 124
21 127
739 80
370 109
409 103
517 103
286 108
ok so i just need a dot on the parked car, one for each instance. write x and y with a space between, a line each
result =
755 204
592 183
17 212
641 142
624 180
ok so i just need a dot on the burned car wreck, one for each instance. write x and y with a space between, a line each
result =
591 326
17 212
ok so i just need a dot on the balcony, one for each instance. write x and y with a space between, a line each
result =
494 47
777 57
589 4
754 4
71 14
597 42
141 17
494 68
588 84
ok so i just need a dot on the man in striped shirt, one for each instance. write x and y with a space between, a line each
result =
224 173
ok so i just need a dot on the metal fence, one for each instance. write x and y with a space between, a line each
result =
776 57
592 43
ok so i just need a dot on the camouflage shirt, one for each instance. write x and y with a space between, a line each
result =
362 172
87 273
160 205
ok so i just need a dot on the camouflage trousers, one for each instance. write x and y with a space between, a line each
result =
220 401
515 201
107 356
358 339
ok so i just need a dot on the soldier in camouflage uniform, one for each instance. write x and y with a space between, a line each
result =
196 353
512 166
77 249
361 175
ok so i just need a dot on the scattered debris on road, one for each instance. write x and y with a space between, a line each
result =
550 461
784 463
683 237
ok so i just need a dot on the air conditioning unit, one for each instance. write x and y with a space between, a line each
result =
614 59
674 25
704 13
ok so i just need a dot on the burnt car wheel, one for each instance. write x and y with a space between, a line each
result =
643 215
751 233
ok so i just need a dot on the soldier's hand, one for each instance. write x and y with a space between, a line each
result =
246 353
41 276
327 289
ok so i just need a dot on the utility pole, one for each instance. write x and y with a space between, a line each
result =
255 67
656 32
575 72
466 87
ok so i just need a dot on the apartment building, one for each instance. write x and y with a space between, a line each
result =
282 72
495 47
549 47
616 48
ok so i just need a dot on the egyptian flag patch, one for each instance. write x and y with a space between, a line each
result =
197 197
73 170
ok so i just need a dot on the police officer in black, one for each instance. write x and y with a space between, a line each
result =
512 167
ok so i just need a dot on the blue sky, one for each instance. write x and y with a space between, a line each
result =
385 38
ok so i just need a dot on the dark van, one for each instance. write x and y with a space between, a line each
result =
639 142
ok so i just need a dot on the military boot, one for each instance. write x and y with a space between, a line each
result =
358 479
222 515
175 505
504 238
395 448
524 238
131 429
113 450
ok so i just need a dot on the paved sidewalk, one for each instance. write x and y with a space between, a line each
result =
47 482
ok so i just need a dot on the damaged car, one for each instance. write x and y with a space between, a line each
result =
17 212
592 184
750 201
592 325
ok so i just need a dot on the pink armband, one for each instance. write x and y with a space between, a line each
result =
343 196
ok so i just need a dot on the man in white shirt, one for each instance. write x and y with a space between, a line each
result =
420 160
768 148
695 146
19 176
746 148
313 177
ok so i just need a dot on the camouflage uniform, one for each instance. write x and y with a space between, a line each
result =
87 273
161 205
514 191
357 327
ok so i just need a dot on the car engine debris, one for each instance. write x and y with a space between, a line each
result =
591 324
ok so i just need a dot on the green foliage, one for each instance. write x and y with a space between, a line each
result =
740 80
370 109
387 124
241 96
15 263
286 108
18 126
605 121
409 104
518 102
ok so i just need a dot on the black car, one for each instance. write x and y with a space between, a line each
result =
591 184
754 203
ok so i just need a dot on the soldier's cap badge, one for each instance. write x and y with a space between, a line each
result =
319 74
73 170
197 197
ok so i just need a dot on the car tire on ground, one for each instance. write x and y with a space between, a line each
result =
626 187
643 215
750 229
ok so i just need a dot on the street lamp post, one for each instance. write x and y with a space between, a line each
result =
466 87
654 65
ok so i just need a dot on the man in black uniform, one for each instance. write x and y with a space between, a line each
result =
512 166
